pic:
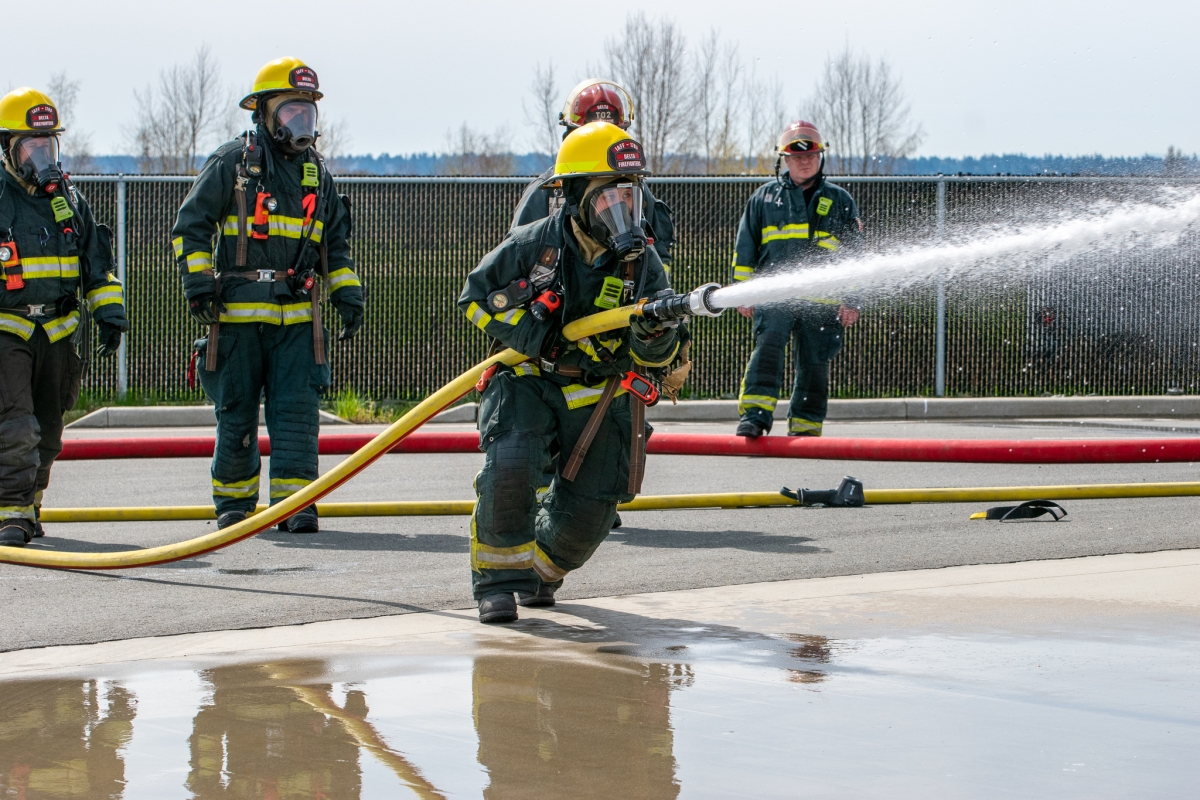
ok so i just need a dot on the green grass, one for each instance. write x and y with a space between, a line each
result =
353 407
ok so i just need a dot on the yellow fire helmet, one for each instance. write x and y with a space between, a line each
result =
287 74
596 150
27 110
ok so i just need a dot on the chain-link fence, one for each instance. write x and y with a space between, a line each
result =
1105 325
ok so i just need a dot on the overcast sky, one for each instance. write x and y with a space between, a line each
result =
1018 76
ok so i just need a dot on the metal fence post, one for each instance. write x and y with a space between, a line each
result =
122 352
939 378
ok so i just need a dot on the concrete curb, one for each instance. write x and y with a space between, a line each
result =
167 417
920 408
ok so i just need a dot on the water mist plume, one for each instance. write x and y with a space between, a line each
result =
1105 228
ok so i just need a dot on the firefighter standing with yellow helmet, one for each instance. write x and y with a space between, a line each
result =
281 232
592 100
584 399
798 218
52 251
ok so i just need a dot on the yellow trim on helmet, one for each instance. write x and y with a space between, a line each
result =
14 111
585 151
275 77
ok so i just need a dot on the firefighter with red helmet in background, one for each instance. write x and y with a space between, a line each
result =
799 218
595 100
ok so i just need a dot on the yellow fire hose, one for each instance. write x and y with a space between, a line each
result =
588 326
875 497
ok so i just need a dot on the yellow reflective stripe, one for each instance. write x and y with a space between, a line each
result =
487 557
512 316
741 273
579 396
18 325
546 569
828 244
527 368
748 401
343 277
239 489
106 295
277 225
16 512
177 244
585 344
50 267
798 425
478 316
286 487
773 233
61 327
269 313
199 262
662 363
295 313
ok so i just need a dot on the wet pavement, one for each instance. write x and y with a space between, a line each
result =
1065 678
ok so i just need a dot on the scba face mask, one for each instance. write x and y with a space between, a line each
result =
612 214
35 159
294 125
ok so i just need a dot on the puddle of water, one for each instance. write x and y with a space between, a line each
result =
707 714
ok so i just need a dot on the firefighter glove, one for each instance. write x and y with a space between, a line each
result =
646 329
109 339
203 308
353 316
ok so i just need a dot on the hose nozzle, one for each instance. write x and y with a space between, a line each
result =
696 303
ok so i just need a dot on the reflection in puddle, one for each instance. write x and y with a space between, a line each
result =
542 716
64 738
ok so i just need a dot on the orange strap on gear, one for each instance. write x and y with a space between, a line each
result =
261 225
13 279
310 206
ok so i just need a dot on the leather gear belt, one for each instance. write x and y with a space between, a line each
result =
565 370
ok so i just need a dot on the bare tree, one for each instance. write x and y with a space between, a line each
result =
717 104
334 143
861 110
765 117
542 111
472 152
179 116
76 144
648 60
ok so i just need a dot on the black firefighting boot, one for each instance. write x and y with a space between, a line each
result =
230 518
750 428
303 521
498 608
542 598
16 532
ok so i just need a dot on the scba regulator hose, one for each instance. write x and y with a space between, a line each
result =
612 319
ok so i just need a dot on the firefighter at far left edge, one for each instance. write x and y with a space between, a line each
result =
281 233
52 252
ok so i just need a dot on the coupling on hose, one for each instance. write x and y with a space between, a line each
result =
696 303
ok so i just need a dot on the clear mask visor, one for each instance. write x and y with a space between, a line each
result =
32 155
618 207
299 117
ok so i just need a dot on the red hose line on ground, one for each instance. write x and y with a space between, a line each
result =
977 451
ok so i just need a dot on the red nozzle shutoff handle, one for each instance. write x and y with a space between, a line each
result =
640 388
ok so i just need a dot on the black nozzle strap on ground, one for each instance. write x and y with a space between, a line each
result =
848 494
1028 510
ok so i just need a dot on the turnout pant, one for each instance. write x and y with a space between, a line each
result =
816 337
39 382
516 541
274 362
